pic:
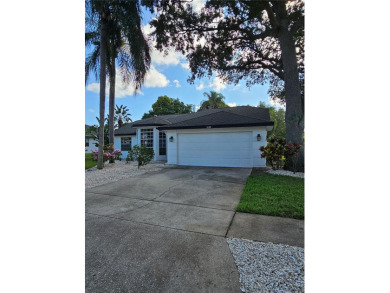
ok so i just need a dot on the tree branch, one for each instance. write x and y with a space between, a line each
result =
271 16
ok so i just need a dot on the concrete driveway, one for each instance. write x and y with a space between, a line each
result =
163 231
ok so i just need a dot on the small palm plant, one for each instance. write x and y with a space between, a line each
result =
122 115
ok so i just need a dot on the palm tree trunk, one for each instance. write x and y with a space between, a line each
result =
294 107
102 100
112 101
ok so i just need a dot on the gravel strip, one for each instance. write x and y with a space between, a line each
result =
286 173
116 171
268 267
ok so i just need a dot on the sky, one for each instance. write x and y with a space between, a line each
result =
168 76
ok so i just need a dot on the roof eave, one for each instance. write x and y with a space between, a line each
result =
148 124
266 123
124 134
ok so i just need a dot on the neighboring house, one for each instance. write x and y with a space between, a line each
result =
226 137
89 141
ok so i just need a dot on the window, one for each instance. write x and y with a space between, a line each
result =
125 143
162 149
147 138
87 142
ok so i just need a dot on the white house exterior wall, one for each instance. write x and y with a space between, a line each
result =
91 147
136 140
256 160
117 143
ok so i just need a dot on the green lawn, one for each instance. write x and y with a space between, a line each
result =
89 163
273 195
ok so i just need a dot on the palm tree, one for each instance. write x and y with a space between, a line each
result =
115 47
214 100
122 115
120 37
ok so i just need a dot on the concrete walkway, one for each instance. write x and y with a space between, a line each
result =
268 229
165 231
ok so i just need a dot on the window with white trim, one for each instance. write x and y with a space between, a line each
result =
87 142
147 138
125 143
162 147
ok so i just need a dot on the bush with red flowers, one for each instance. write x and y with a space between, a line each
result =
277 152
108 154
274 152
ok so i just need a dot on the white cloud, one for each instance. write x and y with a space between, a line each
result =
121 90
155 79
147 29
185 65
172 58
152 79
232 104
160 58
177 83
197 5
200 87
91 110
273 103
93 87
197 107
217 84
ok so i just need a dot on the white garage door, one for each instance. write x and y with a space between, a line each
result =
215 149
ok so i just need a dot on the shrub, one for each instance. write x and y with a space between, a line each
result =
108 151
142 155
109 148
108 154
118 155
95 155
274 152
277 152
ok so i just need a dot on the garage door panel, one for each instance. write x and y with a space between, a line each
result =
215 149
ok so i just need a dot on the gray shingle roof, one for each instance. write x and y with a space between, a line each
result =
223 117
218 119
126 130
158 120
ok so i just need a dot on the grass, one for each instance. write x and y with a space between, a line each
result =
89 163
273 195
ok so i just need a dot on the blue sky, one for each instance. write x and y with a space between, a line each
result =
168 76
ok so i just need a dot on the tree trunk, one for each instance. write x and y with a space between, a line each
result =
112 101
294 108
102 101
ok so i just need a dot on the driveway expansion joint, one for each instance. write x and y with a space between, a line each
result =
230 224
161 201
155 225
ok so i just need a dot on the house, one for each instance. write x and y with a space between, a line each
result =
89 141
225 137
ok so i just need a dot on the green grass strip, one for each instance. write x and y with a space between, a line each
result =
273 195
